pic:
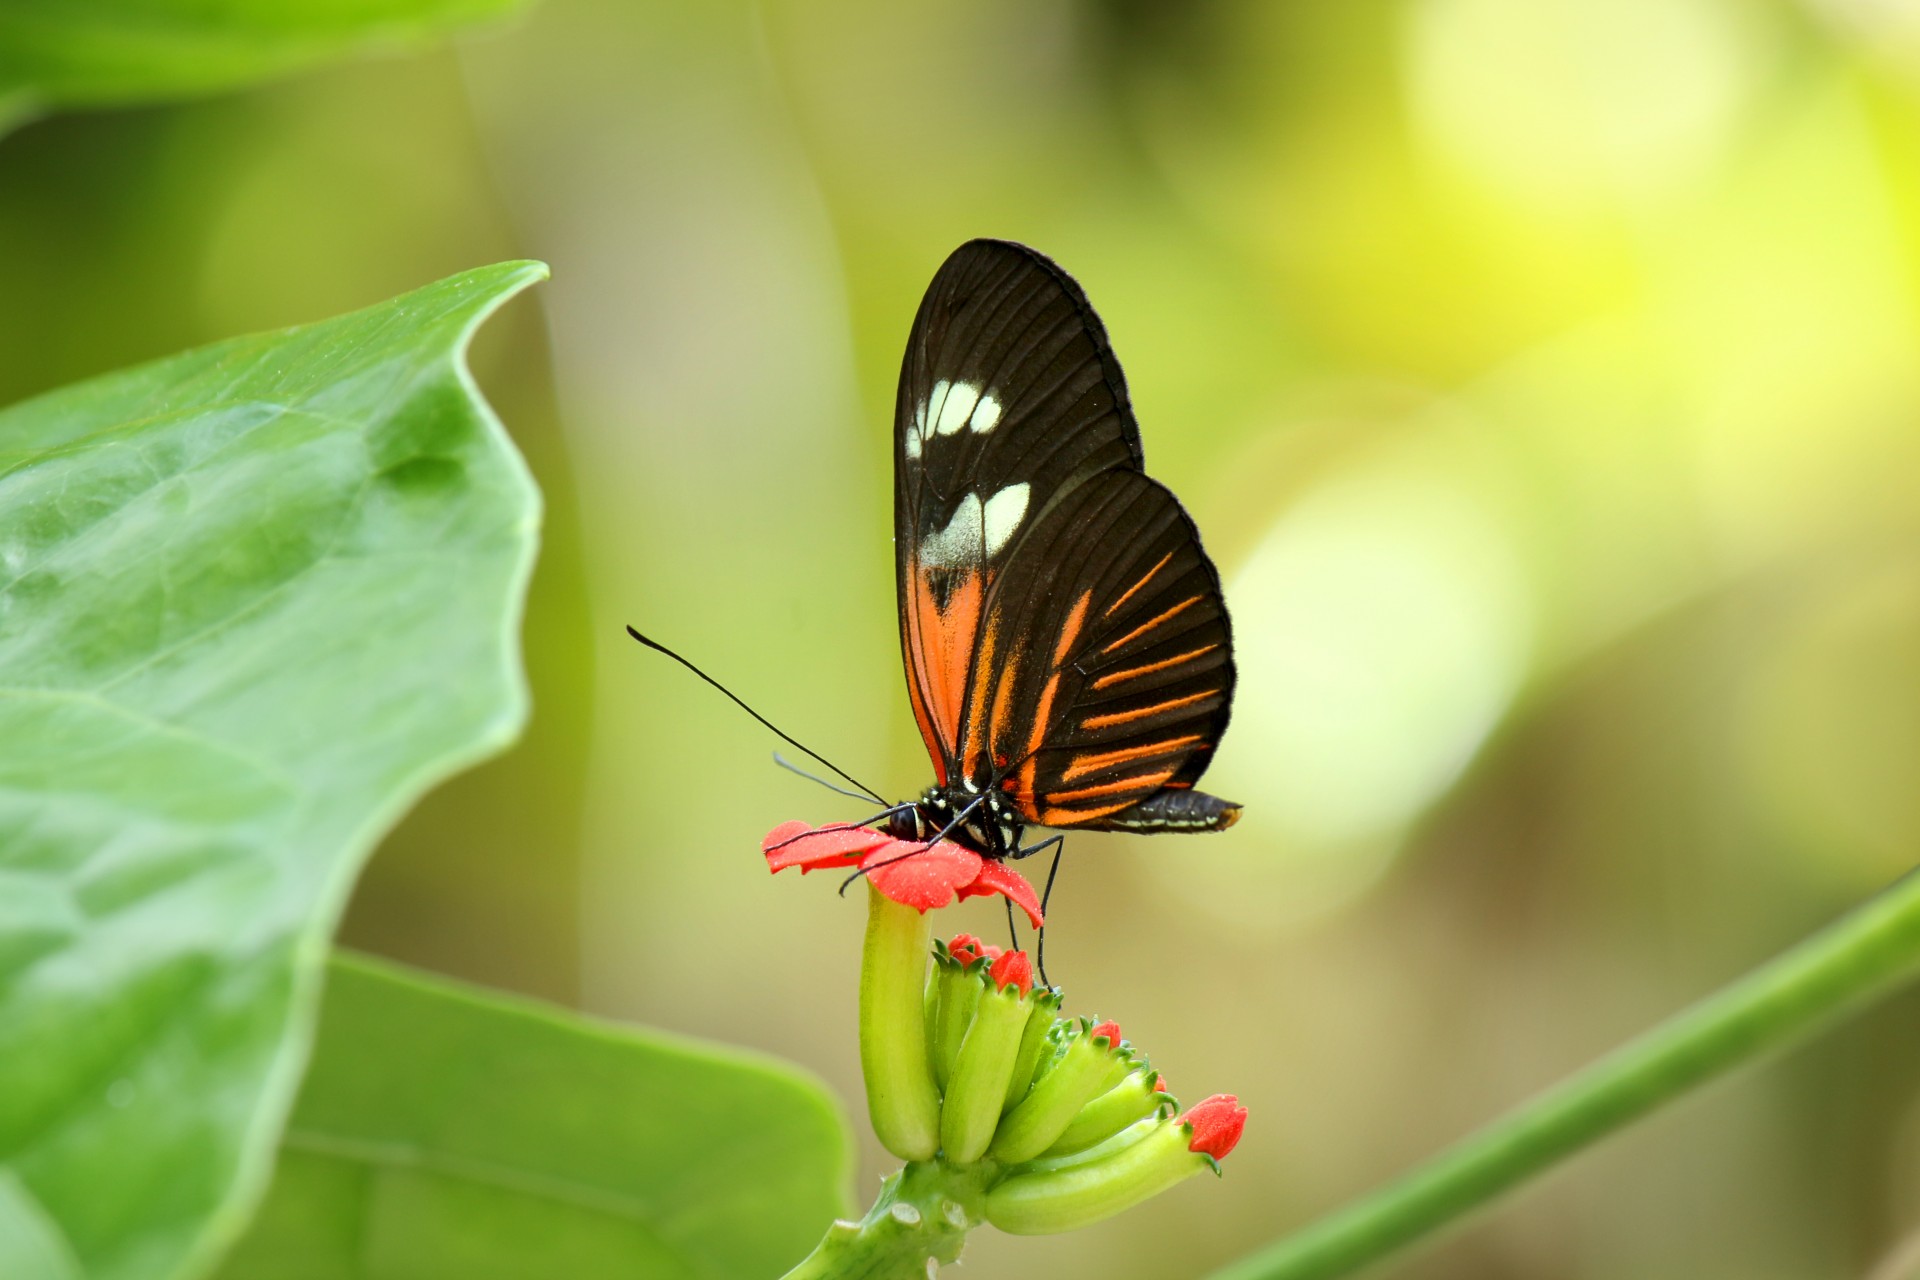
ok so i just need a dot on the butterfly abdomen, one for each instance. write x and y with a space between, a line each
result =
1175 809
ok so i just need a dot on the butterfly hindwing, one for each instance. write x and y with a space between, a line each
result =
1063 633
1121 684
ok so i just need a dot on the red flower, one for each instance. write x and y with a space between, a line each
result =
1111 1030
966 949
1216 1123
1013 969
915 875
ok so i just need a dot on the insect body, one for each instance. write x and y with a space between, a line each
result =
1067 649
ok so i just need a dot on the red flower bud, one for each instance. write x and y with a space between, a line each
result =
1216 1123
966 949
1111 1030
1160 1084
1012 969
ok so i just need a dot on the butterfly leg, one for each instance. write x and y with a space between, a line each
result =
1040 937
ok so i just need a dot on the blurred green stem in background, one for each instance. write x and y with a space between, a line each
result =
1860 957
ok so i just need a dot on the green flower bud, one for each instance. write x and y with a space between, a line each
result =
958 986
1034 1044
1084 1071
901 1098
1134 1098
978 1086
1081 1189
1133 1133
1063 1199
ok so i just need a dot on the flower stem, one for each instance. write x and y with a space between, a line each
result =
924 1212
1861 956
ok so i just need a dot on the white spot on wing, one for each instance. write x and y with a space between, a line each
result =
949 407
977 531
986 416
936 401
955 407
959 543
1002 514
917 433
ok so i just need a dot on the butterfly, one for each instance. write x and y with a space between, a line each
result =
1067 649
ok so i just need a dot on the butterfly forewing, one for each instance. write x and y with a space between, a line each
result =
1063 633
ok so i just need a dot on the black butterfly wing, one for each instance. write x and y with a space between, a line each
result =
1008 397
1063 633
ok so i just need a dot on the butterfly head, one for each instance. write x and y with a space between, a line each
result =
986 823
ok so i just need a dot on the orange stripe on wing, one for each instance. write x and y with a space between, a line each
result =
1143 782
918 688
1084 765
1141 713
942 645
1071 632
1043 709
1031 751
934 747
977 735
1151 623
1002 702
1136 586
1051 817
1133 673
958 624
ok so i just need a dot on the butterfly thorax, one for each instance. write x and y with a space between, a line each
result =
987 823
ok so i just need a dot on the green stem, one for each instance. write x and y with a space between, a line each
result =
924 1213
1861 956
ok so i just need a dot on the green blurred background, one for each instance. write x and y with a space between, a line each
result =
1544 376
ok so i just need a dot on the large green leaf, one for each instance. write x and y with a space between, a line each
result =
254 600
448 1132
61 53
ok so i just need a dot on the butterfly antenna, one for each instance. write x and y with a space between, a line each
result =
791 767
870 793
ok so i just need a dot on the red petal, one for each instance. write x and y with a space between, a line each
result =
1013 969
998 877
918 875
1111 1030
782 833
794 844
1217 1123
